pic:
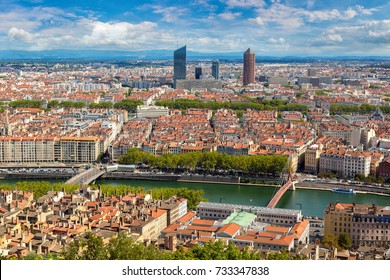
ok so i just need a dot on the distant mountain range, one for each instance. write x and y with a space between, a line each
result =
159 54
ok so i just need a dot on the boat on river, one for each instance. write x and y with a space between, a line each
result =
344 190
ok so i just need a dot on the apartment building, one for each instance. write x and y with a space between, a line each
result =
335 131
345 163
151 111
332 161
277 216
312 158
384 168
79 149
356 163
365 224
49 149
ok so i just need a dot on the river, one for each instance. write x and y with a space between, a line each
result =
312 202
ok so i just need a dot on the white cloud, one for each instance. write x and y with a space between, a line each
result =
170 14
32 19
121 33
204 4
17 34
281 41
288 17
333 38
86 34
365 37
278 44
229 15
321 15
227 43
350 14
256 20
310 4
244 3
282 15
363 11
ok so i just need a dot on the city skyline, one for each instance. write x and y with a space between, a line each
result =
271 28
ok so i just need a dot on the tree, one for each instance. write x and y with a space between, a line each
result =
90 247
102 105
359 177
330 241
209 160
53 104
128 105
25 104
123 247
344 241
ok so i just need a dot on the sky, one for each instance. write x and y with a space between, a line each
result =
269 27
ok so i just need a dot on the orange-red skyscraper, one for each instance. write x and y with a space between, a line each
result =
249 67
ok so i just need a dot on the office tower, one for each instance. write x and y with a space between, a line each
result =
215 69
249 67
198 72
180 64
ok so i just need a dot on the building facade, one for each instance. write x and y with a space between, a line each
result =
180 64
69 149
198 73
249 67
345 163
365 224
151 111
215 69
312 158
277 216
384 168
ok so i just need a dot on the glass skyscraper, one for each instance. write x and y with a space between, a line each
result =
215 69
180 64
198 72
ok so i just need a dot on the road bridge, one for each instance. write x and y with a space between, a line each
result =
287 184
90 175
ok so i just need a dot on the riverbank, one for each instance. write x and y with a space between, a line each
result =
195 178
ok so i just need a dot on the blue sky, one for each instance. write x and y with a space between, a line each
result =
270 27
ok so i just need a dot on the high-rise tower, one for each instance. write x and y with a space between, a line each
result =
215 69
249 67
180 64
198 73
